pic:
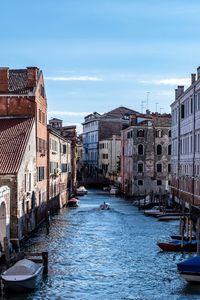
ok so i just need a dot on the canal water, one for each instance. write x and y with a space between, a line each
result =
107 255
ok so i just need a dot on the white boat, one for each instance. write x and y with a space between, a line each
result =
81 191
24 275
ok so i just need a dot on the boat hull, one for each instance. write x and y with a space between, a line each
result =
178 247
19 283
191 277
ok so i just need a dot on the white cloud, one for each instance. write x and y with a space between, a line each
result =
74 78
69 113
169 81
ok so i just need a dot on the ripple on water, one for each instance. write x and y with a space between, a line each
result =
108 254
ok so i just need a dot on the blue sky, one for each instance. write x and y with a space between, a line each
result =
97 55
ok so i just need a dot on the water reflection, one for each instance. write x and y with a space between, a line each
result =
108 254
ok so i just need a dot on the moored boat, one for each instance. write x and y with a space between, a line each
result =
73 202
185 238
24 275
190 269
81 191
178 246
170 216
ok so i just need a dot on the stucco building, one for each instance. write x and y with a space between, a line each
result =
185 184
146 154
59 158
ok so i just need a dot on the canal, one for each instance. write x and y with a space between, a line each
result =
108 255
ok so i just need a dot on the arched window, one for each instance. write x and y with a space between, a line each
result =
140 133
169 149
140 149
159 150
159 133
169 133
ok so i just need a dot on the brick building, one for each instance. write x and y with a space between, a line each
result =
22 96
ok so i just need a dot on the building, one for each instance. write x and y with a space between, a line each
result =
18 172
22 96
97 127
109 157
59 158
146 154
68 132
185 185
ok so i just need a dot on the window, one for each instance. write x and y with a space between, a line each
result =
140 133
40 173
169 133
140 182
169 149
158 133
140 167
159 168
64 149
169 168
159 182
182 111
64 168
140 149
159 150
129 134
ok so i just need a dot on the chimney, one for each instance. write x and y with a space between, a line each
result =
193 78
176 94
180 90
4 75
32 76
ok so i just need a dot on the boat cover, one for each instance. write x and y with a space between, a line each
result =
23 267
190 265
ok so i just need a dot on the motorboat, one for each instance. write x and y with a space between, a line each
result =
104 206
73 202
81 191
23 275
177 245
190 269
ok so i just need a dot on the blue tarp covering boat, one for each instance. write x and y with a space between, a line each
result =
190 265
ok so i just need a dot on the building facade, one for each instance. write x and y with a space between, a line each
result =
146 155
96 128
109 157
59 165
185 184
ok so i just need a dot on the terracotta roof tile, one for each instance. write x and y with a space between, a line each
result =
18 82
14 135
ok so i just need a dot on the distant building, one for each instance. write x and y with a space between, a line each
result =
185 185
146 154
109 157
98 127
